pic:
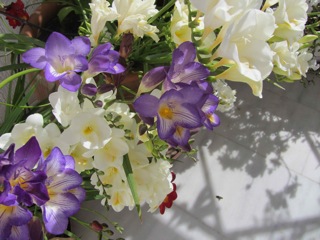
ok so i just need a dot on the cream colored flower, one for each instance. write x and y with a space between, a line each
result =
217 13
291 17
101 13
245 48
133 17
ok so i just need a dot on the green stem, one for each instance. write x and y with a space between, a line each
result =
162 11
313 13
19 74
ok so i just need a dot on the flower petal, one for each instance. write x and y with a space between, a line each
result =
29 153
35 57
81 45
152 79
146 105
58 45
57 211
71 81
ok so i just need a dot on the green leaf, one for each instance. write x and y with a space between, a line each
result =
19 74
129 174
13 67
64 12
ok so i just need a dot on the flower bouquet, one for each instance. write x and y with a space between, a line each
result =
104 97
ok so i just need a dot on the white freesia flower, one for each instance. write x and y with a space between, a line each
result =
22 132
245 48
88 128
291 17
49 138
65 105
289 61
101 13
82 162
133 17
217 13
179 28
226 95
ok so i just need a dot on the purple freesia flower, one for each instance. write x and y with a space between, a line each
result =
63 184
61 59
183 69
13 217
104 59
26 184
177 112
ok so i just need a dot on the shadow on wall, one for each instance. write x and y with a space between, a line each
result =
268 129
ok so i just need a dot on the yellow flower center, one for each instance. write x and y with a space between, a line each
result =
88 130
165 112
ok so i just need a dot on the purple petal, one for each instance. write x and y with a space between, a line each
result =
71 82
191 72
65 181
81 45
19 233
146 105
182 55
12 216
51 74
89 89
186 115
57 210
78 63
7 198
194 95
30 153
152 79
57 46
69 162
166 128
101 49
35 57
79 193
55 163
180 138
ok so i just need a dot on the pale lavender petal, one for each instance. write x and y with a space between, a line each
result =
146 105
79 193
58 46
152 79
81 45
57 210
55 163
35 57
191 72
69 162
71 81
65 181
51 74
78 63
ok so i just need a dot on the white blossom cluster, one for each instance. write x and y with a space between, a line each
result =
89 139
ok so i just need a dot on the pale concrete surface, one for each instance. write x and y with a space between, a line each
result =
263 160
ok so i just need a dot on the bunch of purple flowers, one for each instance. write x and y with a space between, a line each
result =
28 181
187 101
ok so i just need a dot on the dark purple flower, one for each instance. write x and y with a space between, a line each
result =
184 69
175 111
61 59
63 184
211 119
26 184
89 89
104 59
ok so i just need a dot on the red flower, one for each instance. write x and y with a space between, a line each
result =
17 11
168 201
